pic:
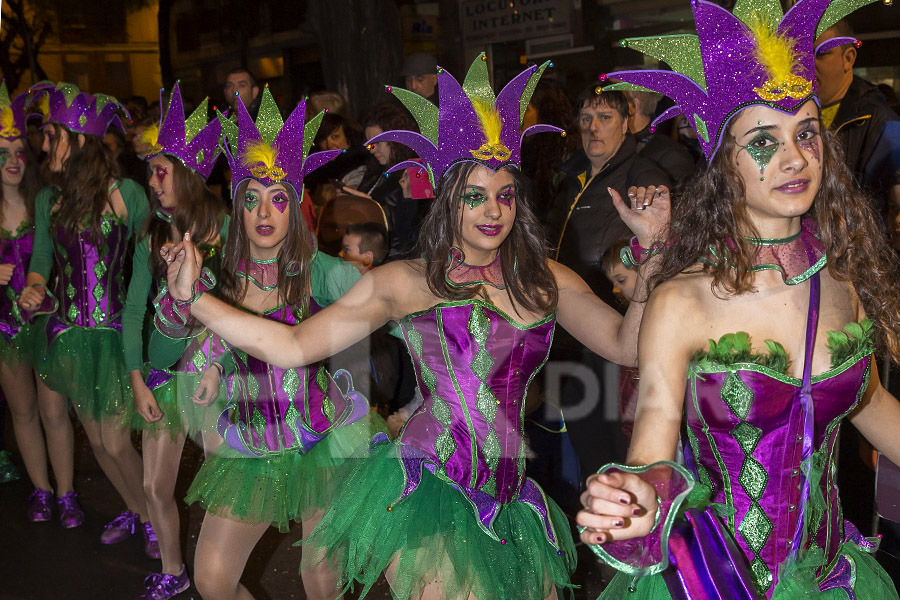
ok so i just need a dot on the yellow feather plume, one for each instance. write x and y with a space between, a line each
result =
43 104
775 53
490 120
260 152
150 136
7 122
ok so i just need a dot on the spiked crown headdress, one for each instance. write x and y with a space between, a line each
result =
12 114
472 123
272 150
756 54
193 141
65 104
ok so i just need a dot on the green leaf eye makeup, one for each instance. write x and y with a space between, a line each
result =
251 201
474 199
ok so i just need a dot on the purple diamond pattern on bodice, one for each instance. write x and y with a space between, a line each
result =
90 284
279 409
15 251
473 366
199 354
749 453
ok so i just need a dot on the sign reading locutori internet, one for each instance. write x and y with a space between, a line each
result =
486 21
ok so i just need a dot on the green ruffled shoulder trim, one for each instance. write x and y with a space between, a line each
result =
23 228
855 339
735 348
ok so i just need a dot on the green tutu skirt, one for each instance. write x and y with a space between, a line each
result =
871 583
88 366
24 347
180 415
434 536
284 487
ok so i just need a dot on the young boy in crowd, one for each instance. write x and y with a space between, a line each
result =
624 281
364 245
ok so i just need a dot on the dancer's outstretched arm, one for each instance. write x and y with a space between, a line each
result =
590 320
369 304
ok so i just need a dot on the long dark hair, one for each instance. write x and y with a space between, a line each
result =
199 211
87 173
716 218
523 254
297 251
29 186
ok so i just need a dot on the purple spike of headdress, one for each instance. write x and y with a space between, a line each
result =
198 154
78 111
734 77
460 134
291 164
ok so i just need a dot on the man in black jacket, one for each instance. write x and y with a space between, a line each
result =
582 222
857 113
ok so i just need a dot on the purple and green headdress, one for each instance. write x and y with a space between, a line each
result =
65 104
193 141
272 150
754 55
471 125
12 114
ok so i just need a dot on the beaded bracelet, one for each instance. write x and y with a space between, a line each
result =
634 255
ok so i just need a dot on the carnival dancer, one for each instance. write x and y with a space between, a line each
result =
183 153
21 183
447 511
83 227
285 429
774 288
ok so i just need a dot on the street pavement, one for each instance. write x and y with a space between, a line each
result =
42 561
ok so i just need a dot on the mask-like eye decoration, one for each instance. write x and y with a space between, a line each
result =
280 202
474 198
762 148
251 201
507 196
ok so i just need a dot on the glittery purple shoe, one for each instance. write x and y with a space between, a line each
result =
40 505
162 586
120 528
70 513
151 545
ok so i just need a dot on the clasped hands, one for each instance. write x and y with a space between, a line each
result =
617 506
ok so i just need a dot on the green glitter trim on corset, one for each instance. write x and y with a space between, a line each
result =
473 444
323 381
290 383
485 401
483 304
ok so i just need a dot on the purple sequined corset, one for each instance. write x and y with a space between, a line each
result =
90 285
277 409
749 452
15 251
473 366
198 355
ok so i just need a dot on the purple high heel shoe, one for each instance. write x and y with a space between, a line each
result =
70 513
40 505
120 528
162 586
151 545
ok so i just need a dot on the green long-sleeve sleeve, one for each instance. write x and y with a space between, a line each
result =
330 278
136 305
42 254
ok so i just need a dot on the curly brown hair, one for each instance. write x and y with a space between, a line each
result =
523 254
715 219
297 248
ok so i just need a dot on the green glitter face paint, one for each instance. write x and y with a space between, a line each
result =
250 201
474 199
761 149
4 156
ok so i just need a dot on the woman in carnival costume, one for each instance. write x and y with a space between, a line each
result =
446 511
285 429
782 283
83 227
183 153
20 184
